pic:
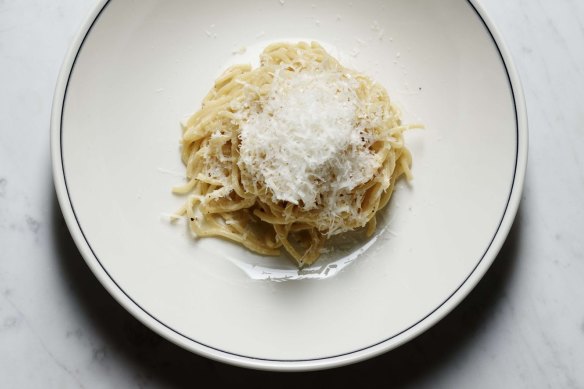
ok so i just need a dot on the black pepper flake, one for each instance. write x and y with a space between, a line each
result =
192 219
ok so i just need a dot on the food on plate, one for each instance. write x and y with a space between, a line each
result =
291 153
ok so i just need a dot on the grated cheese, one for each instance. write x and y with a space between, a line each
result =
307 141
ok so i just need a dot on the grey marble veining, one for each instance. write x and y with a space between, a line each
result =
522 327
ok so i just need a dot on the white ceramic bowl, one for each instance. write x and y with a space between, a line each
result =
137 68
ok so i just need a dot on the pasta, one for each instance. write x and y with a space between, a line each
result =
287 155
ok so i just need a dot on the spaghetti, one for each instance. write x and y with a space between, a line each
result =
291 153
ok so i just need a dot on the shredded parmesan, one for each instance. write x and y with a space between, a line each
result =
307 142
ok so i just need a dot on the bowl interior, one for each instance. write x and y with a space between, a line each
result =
145 66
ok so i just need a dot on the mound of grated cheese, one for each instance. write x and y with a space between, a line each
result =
306 141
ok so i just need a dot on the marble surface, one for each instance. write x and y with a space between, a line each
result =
522 327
